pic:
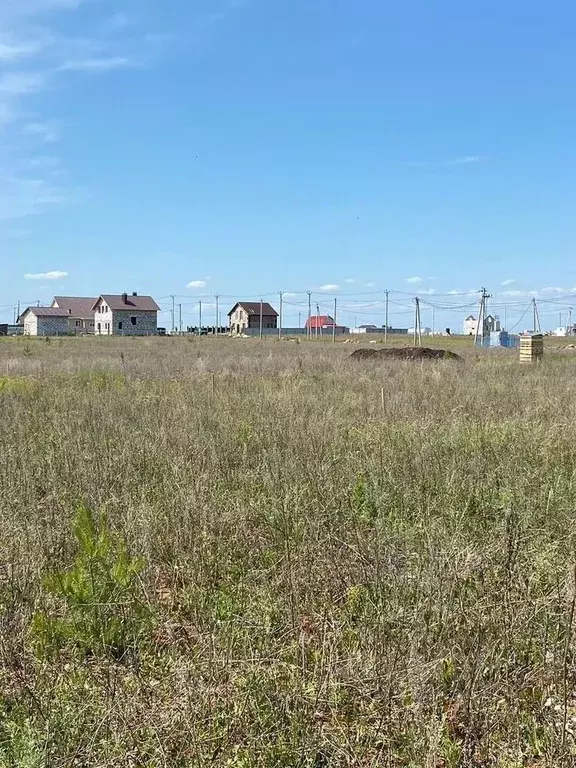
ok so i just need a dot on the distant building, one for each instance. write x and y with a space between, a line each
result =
564 330
317 322
125 315
47 321
81 308
491 323
246 314
3 329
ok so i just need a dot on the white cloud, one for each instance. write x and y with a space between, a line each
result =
350 280
18 50
370 285
454 292
553 289
414 280
329 288
197 284
510 281
55 275
289 295
467 160
428 291
104 64
514 293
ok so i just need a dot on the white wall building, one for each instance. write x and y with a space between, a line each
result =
125 315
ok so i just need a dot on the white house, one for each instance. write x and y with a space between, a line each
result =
491 323
125 315
48 321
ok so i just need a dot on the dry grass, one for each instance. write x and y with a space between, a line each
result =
348 564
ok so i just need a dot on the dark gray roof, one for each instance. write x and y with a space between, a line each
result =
81 306
127 301
253 308
47 312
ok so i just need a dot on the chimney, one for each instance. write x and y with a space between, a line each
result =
125 298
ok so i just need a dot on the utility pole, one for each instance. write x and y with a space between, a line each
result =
309 334
199 318
505 318
299 319
280 326
180 318
536 319
334 324
261 310
173 317
386 292
217 297
482 314
318 330
569 323
417 323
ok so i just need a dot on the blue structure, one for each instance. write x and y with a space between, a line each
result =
503 339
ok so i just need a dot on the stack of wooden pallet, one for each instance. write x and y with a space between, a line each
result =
531 348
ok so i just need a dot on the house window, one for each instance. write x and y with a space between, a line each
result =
78 323
133 320
120 325
99 327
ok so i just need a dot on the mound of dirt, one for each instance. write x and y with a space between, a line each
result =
405 353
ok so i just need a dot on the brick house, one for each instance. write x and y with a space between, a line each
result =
317 322
125 315
47 321
80 308
246 314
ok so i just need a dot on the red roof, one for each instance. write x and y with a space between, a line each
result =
320 321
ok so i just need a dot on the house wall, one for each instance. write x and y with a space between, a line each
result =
47 326
119 323
268 321
30 325
238 320
103 320
146 323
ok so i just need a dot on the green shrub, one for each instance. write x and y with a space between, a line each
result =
102 613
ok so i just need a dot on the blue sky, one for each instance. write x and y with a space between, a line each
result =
243 147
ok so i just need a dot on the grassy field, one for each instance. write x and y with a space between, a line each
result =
259 554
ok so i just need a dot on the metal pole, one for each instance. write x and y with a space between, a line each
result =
180 317
173 318
415 319
569 325
309 334
533 315
299 319
334 323
217 298
199 318
261 309
386 321
280 326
